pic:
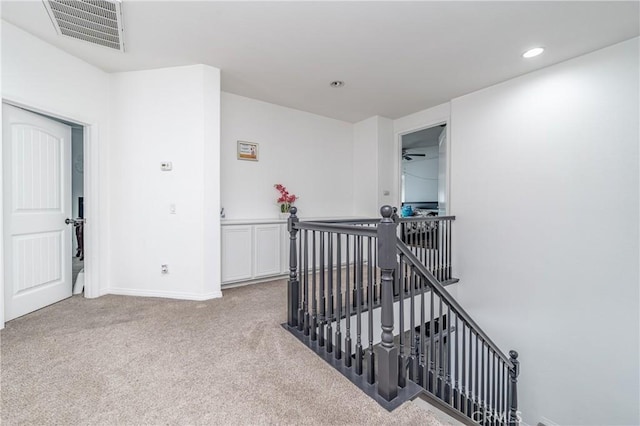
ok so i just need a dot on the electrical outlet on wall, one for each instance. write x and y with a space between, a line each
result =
164 269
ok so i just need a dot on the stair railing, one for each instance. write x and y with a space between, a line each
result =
429 238
343 272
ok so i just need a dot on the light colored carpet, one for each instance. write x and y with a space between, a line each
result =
129 360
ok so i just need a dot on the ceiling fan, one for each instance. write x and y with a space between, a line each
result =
408 156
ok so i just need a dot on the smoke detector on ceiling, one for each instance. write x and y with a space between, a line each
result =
94 21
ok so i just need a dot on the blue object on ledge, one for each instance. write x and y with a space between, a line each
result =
406 211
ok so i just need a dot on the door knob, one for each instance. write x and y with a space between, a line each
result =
74 221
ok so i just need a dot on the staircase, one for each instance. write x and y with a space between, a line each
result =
369 297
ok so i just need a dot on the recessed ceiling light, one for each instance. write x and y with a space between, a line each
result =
336 83
533 52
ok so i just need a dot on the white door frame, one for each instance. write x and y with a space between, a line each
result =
91 183
398 150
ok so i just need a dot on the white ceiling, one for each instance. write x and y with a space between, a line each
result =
395 57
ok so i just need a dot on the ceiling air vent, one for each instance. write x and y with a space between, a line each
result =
95 21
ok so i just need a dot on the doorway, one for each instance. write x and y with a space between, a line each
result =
423 171
77 206
39 218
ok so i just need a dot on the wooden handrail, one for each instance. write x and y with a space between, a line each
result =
337 228
444 294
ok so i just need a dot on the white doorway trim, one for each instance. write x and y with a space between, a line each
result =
92 209
425 124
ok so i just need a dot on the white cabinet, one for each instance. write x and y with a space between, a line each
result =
266 250
252 251
237 262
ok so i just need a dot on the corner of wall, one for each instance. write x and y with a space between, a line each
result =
211 122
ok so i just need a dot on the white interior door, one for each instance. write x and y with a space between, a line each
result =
37 200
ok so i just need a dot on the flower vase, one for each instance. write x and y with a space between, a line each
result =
284 211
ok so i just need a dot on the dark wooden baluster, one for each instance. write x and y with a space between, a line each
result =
347 306
329 343
359 351
448 253
483 404
370 293
470 388
441 249
402 372
301 278
505 393
488 407
339 298
432 344
447 358
422 242
499 390
488 379
377 288
412 237
444 250
314 293
434 247
361 253
440 387
494 379
424 354
463 392
476 381
407 276
449 274
306 283
355 272
322 297
456 384
414 373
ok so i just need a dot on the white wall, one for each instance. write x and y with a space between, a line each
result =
372 170
165 115
48 80
386 171
545 191
365 171
309 154
211 190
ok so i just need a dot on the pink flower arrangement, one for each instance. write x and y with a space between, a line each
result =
285 200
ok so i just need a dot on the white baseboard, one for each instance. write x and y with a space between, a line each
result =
165 294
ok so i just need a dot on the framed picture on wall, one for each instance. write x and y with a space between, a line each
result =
247 151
